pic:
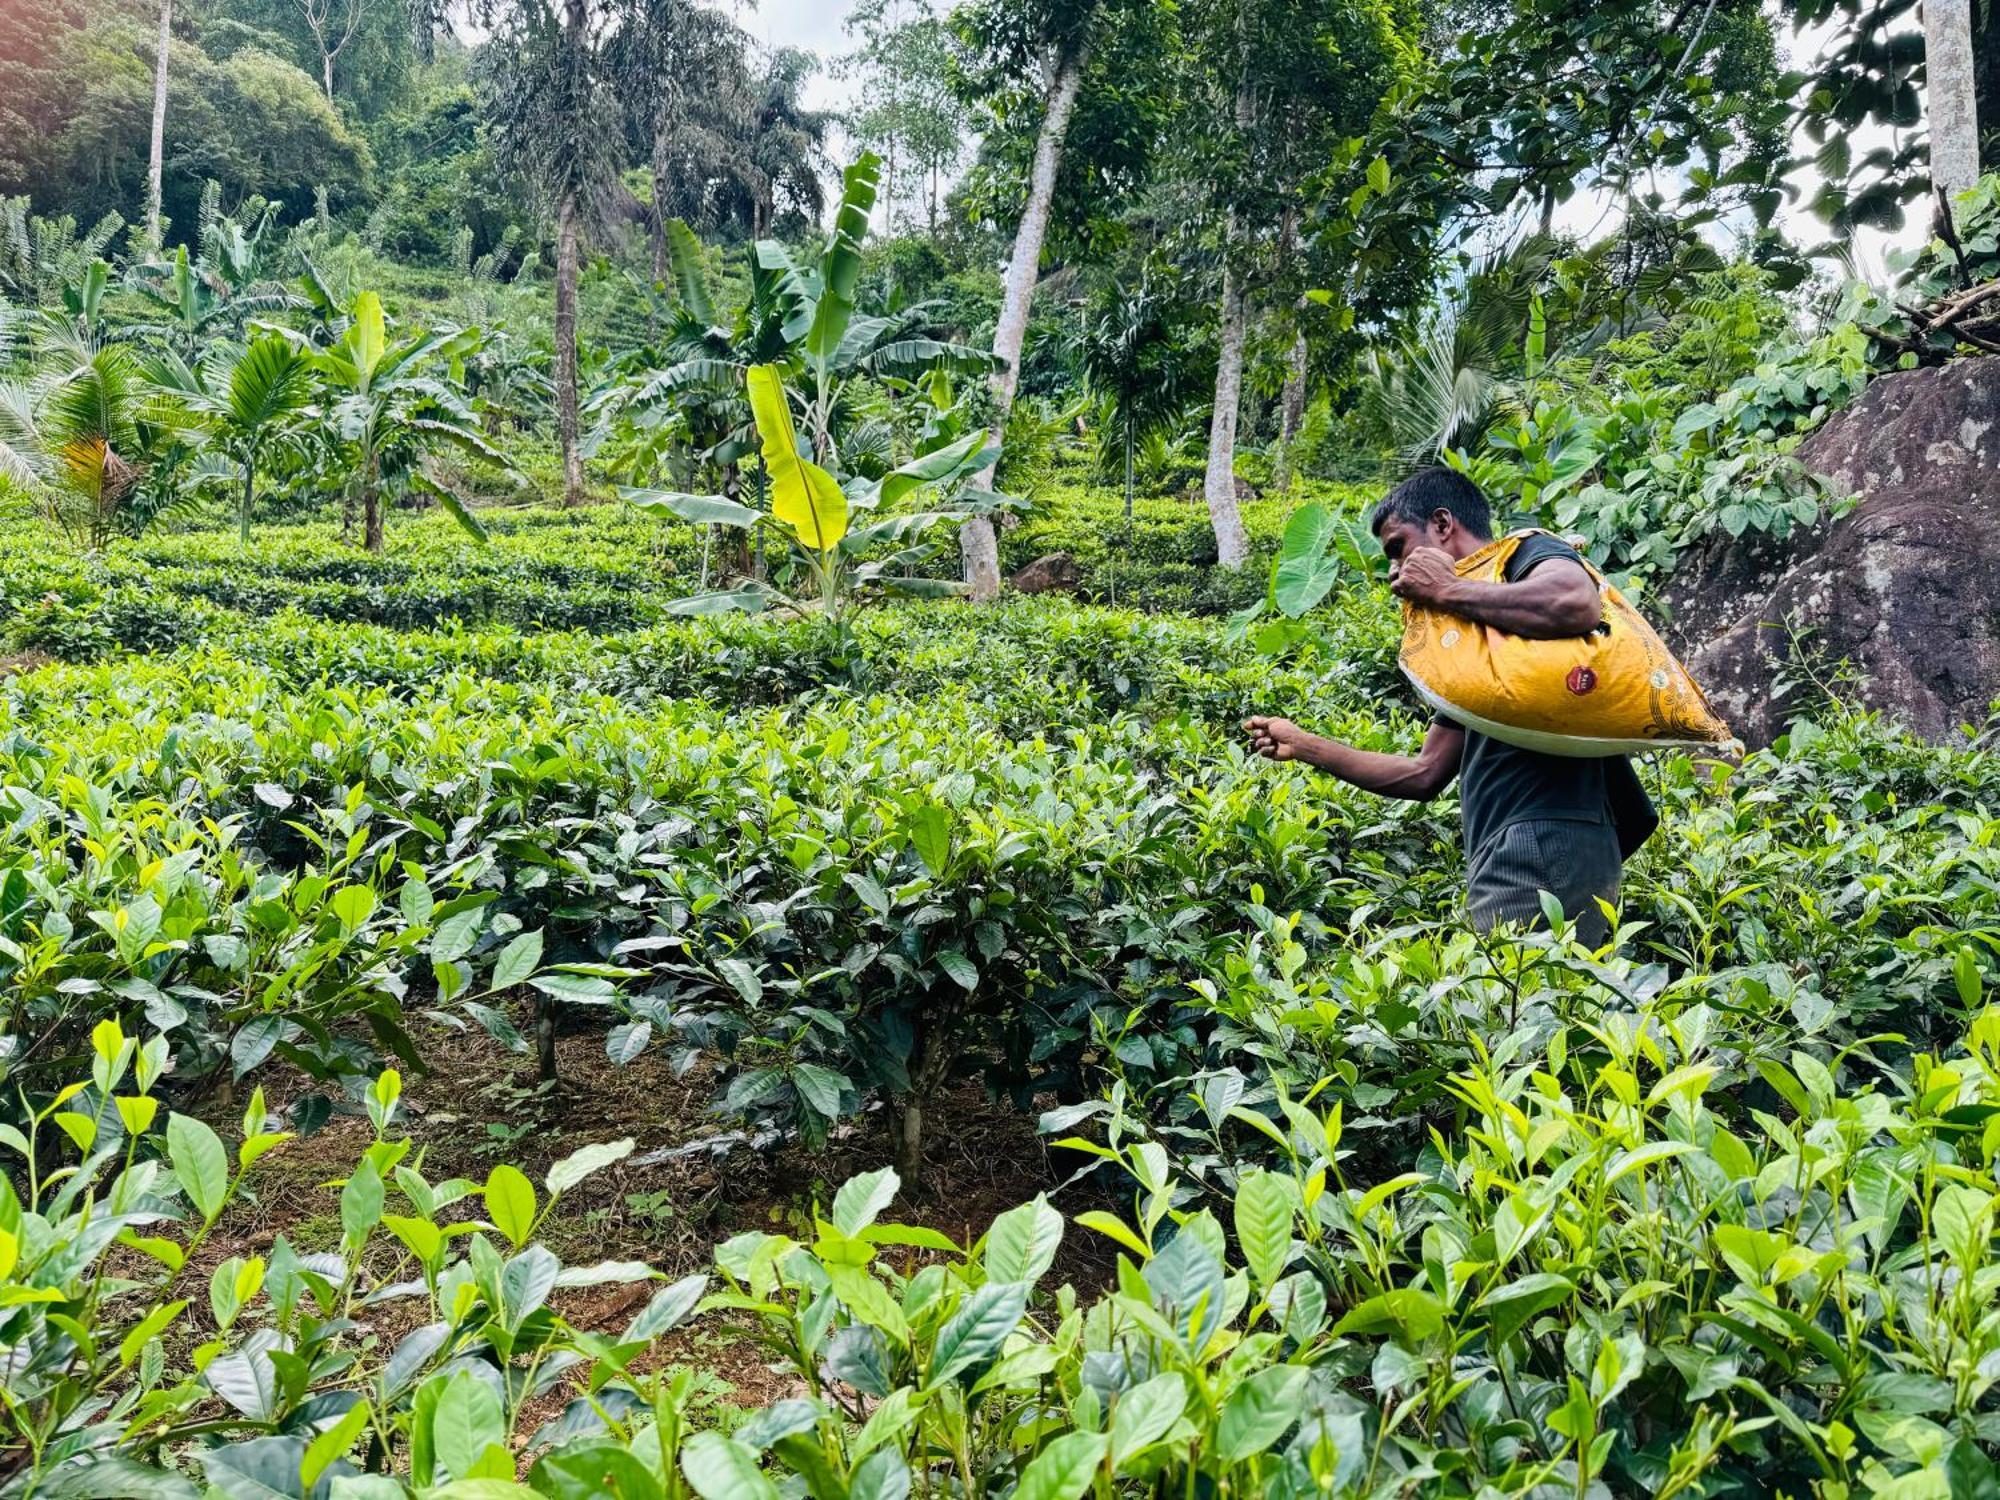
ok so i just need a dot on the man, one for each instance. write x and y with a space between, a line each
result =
1532 822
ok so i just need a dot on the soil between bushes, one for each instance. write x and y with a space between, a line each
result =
478 1105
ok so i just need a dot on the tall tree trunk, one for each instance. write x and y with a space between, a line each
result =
326 74
657 168
1292 400
157 161
978 545
1232 543
371 509
1949 101
1291 410
565 333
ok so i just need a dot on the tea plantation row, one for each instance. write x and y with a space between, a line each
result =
600 569
1415 1213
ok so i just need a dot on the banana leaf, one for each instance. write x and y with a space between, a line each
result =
803 495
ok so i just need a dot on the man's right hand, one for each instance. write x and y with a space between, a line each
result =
1276 739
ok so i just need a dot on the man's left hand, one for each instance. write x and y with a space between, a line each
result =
1426 576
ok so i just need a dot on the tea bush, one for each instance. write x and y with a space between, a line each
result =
1613 1280
1417 1212
601 570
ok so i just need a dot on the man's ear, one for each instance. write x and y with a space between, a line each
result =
1442 522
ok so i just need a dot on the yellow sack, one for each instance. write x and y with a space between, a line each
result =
1612 692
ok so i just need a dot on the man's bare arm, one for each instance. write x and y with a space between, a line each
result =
1416 778
1545 603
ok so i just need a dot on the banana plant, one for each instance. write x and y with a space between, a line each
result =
243 400
194 301
803 318
819 510
389 414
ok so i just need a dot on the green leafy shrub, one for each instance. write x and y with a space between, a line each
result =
286 1391
1615 1279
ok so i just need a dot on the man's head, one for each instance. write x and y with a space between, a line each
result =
1432 508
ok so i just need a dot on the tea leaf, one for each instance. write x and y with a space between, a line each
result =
510 1203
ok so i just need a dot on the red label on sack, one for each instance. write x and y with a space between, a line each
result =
1582 680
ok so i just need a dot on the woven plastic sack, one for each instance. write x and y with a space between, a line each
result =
1615 691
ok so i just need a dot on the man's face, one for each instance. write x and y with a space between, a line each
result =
1399 539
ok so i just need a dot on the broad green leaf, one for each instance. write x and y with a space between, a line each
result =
575 989
367 336
868 1300
861 1200
1751 1253
1113 1227
978 1329
803 496
469 1430
517 960
1408 1311
1145 1414
690 280
721 1468
1510 1307
624 1042
332 1445
510 1203
749 599
668 1309
585 1160
1064 1469
962 971
1022 1244
146 1329
1258 1412
1307 566
264 1468
352 906
840 262
200 1164
820 1088
1264 1224
950 466
714 510
882 1475
1187 1286
361 1203
604 1469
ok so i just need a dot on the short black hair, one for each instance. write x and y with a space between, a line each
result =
1428 491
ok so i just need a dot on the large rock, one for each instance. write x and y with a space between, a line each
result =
1056 573
1904 589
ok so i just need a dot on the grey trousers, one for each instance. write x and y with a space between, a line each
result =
1577 863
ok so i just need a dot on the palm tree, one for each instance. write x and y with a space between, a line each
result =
75 436
389 413
551 112
242 399
1135 364
785 144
